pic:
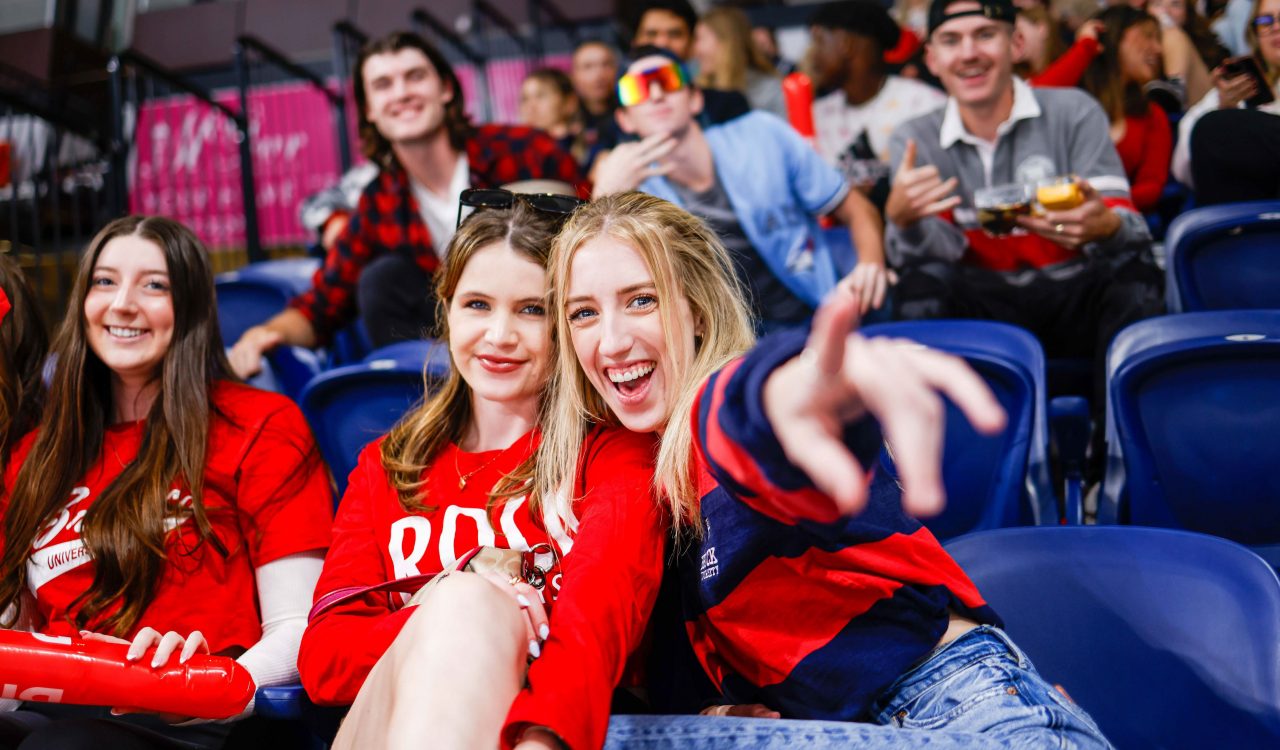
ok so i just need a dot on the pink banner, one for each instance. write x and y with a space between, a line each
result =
187 162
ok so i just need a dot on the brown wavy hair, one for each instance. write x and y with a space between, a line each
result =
24 343
738 53
1119 98
413 444
124 529
373 145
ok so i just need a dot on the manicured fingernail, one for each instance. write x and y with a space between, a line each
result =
524 603
544 631
133 655
155 663
534 649
116 713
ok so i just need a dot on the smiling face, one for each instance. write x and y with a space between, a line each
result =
662 28
498 328
616 326
668 112
128 309
1139 53
405 96
973 57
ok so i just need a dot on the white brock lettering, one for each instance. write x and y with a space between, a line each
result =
402 565
484 532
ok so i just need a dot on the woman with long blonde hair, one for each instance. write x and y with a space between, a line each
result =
807 591
729 60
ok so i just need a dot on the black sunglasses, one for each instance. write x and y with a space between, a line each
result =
547 203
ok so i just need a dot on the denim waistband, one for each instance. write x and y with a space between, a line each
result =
942 662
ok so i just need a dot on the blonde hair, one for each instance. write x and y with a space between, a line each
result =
413 444
687 260
738 53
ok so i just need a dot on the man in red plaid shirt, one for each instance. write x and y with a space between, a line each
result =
414 127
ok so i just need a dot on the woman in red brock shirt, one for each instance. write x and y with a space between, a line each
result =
159 501
454 474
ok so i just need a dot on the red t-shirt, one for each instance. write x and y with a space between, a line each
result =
266 495
610 573
1145 150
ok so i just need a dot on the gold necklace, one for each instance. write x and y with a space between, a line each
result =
464 478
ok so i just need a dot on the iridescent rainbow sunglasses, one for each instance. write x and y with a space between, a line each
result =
634 88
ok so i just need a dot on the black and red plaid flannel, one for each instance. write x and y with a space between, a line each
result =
387 218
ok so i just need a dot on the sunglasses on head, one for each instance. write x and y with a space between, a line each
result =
634 88
547 203
1265 22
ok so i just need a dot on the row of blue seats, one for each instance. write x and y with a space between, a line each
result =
1109 612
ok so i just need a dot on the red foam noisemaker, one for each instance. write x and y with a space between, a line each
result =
797 90
57 669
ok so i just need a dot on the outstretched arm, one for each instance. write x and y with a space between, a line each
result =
842 377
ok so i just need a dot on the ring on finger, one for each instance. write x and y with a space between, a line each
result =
515 580
1058 228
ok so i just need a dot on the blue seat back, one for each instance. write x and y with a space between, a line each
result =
1194 425
430 355
254 293
1225 257
1001 480
243 304
350 406
1168 639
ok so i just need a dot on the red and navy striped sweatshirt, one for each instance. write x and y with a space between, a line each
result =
785 603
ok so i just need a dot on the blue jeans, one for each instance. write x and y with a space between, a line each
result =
979 691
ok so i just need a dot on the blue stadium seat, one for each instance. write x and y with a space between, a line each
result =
1168 639
1193 426
252 294
429 353
350 406
997 481
1224 258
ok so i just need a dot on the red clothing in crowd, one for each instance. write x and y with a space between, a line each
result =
610 572
1068 69
1145 150
266 493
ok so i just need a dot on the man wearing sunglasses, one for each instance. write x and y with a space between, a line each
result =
754 180
413 126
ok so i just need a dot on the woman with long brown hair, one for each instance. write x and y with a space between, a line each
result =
160 503
1117 78
457 472
23 346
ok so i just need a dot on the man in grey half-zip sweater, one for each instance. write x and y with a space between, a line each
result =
1073 277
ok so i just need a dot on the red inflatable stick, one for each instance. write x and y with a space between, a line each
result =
56 669
797 90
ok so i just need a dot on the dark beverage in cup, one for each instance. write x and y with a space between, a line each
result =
999 206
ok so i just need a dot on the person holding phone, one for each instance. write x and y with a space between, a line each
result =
1229 142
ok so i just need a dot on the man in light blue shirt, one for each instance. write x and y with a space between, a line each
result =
754 180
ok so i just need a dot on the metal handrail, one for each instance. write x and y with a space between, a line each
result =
120 149
337 100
